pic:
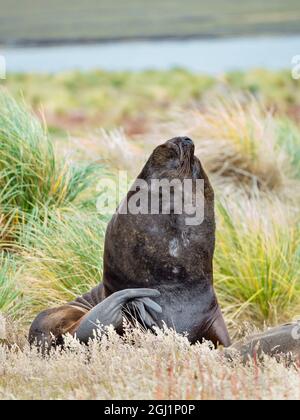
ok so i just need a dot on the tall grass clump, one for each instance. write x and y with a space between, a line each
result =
237 139
257 262
62 258
31 175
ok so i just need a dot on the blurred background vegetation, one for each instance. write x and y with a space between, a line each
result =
78 101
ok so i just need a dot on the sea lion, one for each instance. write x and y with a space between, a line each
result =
161 252
279 342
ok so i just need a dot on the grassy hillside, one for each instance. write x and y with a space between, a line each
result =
37 21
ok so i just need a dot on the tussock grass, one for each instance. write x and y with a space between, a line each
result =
32 178
62 258
116 149
257 259
76 101
257 262
165 366
277 88
238 142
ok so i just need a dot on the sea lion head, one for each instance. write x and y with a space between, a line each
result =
173 159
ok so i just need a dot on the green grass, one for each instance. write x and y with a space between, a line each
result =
278 89
257 265
74 102
103 20
32 179
62 258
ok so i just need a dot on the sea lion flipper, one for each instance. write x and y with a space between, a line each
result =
49 326
144 310
111 311
151 305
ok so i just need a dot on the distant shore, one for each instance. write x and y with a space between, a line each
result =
214 55
33 24
47 42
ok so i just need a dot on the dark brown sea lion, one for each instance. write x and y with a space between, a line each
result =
280 342
153 251
164 253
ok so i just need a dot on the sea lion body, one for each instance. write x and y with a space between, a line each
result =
163 252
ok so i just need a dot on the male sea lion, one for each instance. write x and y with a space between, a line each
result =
163 252
154 251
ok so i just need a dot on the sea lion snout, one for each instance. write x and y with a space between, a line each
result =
183 140
187 142
186 154
173 159
184 144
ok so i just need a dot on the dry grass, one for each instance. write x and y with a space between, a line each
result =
242 144
115 148
237 139
157 367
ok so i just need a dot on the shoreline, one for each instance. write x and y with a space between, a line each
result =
32 43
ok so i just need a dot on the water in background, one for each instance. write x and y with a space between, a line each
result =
207 56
